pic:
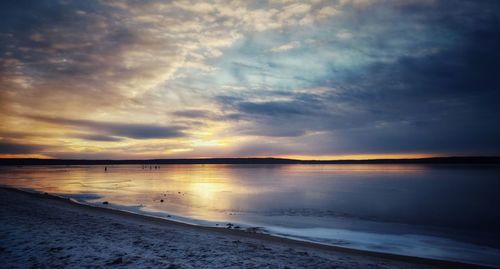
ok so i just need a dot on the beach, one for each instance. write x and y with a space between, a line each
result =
43 231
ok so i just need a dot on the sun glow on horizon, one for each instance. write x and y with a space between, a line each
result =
294 157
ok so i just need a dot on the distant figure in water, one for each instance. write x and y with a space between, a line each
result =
150 167
105 168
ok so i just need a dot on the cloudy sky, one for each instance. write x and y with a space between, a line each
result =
320 79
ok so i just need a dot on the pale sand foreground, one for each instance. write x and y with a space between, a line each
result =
39 231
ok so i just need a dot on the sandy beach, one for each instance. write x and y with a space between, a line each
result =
42 231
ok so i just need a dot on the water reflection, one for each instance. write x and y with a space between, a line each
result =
415 194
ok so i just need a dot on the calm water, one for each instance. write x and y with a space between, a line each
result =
447 212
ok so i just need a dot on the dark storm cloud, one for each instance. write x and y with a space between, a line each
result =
447 101
7 147
302 113
444 100
21 20
130 130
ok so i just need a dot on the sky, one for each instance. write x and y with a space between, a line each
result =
313 79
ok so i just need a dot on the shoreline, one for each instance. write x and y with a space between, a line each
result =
263 238
461 160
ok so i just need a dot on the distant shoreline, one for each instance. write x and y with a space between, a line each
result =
433 160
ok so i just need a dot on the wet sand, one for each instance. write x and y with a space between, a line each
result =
43 231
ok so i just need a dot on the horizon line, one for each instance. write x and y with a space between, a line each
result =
253 160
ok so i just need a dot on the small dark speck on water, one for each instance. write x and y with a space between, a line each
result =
105 202
117 261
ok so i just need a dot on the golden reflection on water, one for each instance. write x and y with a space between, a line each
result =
210 192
